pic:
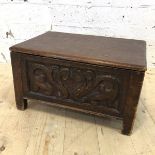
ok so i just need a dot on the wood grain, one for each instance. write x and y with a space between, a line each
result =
118 52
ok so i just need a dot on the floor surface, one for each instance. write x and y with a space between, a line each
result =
47 130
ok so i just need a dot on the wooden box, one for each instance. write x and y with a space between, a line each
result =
92 74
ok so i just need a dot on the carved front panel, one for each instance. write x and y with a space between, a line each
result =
76 84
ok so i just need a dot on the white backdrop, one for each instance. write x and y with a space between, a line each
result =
21 20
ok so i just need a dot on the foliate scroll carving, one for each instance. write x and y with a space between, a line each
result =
85 86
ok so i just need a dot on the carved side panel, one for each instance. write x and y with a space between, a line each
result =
75 84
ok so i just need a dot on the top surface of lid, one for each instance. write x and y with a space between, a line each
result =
117 52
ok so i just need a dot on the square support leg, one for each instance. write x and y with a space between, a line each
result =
135 85
21 103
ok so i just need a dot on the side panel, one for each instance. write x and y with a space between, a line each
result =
134 90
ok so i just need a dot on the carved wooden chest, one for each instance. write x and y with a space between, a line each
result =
93 74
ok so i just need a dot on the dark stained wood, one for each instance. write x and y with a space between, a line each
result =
21 102
94 88
50 68
126 53
134 90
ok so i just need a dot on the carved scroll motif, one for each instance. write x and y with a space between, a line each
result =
76 84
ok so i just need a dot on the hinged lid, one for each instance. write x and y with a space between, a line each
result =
115 52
